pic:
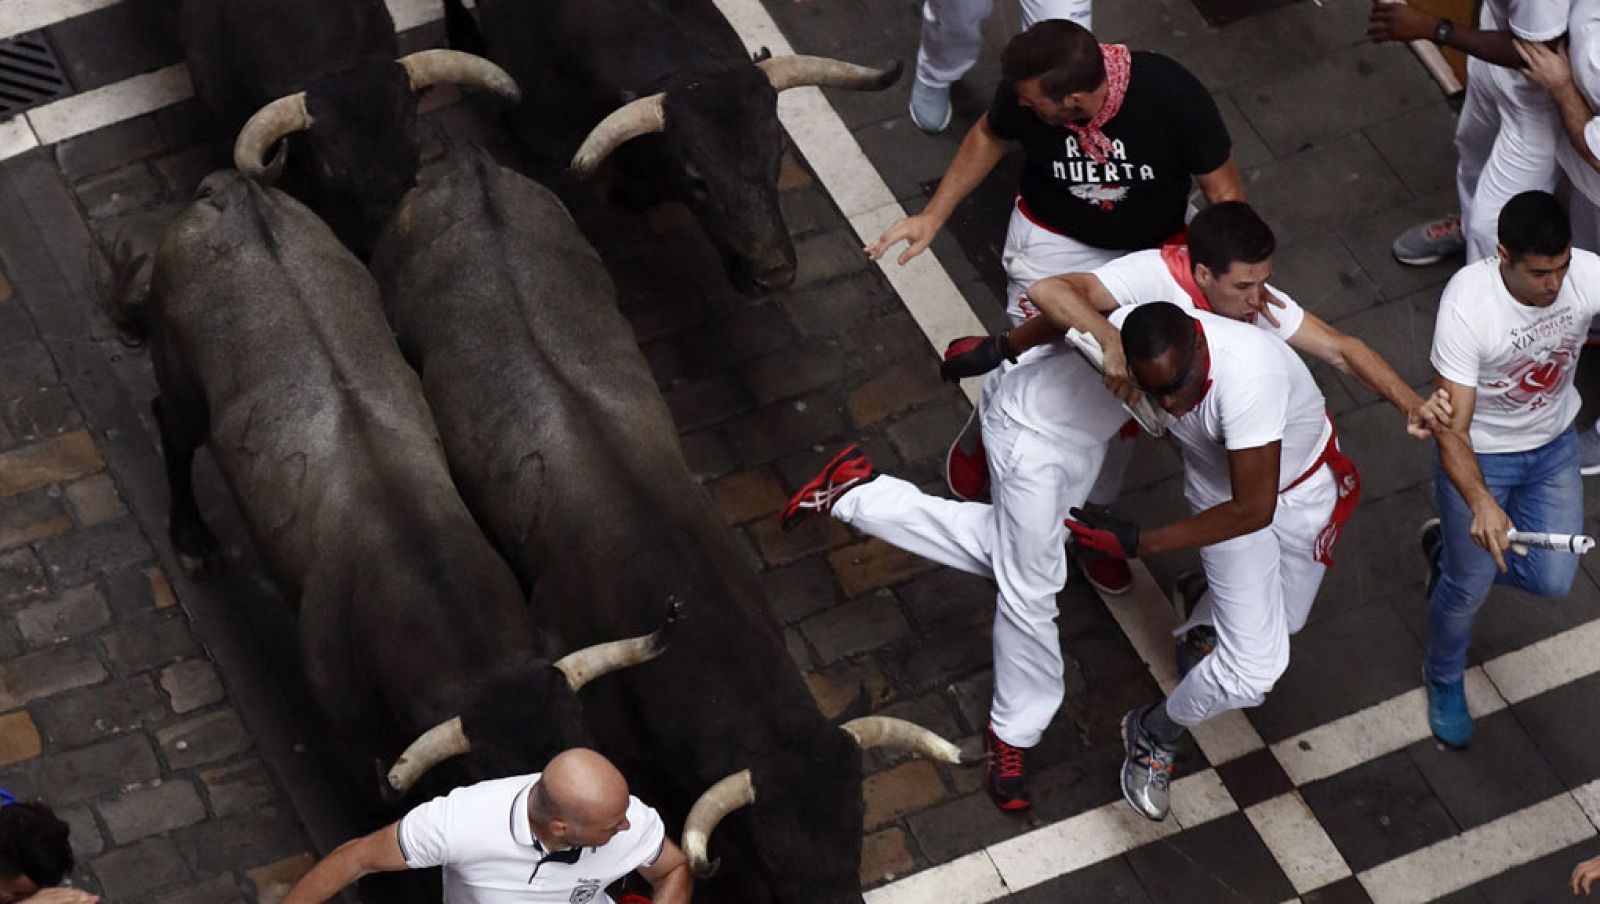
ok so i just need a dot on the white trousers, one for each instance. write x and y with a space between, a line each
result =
1032 253
1261 589
1018 541
952 32
1506 141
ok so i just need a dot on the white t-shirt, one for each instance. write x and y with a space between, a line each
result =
1520 358
1260 392
1530 20
1143 276
1583 48
1054 392
481 837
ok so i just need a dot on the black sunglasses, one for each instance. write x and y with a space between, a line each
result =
1184 372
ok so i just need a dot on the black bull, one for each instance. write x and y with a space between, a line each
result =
325 76
269 345
620 69
565 451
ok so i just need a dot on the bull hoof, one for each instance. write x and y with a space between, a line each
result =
198 552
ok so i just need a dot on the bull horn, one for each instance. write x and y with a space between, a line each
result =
797 71
884 731
585 665
639 117
432 67
714 805
437 744
282 117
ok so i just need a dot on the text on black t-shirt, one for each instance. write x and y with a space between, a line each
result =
1167 130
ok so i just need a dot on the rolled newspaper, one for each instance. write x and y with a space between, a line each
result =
1150 416
1577 544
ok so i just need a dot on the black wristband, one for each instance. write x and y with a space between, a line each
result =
1002 344
1442 32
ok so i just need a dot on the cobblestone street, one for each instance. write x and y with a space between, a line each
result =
165 717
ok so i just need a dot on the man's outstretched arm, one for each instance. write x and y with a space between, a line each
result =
375 853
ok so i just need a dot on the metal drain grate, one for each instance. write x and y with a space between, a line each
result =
30 74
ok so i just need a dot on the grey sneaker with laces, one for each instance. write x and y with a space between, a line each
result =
1146 769
1429 243
930 107
1589 451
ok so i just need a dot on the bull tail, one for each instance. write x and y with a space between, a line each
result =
125 296
461 30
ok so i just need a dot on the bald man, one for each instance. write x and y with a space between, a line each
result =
572 830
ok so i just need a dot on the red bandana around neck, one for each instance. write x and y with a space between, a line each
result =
1119 62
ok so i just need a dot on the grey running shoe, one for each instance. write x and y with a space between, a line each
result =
1146 769
1589 451
1429 243
1432 540
930 107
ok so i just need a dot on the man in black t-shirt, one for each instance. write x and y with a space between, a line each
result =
1110 152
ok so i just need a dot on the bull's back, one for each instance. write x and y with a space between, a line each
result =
533 374
560 439
313 413
245 53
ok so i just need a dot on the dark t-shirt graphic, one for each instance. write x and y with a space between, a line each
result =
1167 131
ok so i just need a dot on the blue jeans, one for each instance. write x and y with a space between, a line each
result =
1540 490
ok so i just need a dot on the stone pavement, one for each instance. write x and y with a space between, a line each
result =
112 711
1342 144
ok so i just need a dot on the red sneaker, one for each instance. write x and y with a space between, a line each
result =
1106 574
849 469
1006 779
966 467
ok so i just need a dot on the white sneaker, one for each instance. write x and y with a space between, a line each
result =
1589 451
930 107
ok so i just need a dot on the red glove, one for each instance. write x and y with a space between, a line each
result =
1104 533
972 356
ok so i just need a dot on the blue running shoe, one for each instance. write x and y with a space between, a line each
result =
1447 713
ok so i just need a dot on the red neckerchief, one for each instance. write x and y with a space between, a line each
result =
1119 63
1176 257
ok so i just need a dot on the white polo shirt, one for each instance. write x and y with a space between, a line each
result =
1259 392
1521 359
481 837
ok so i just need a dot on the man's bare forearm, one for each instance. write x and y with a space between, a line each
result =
1490 46
338 871
675 887
1460 464
1379 376
1214 525
1575 116
1061 308
979 153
